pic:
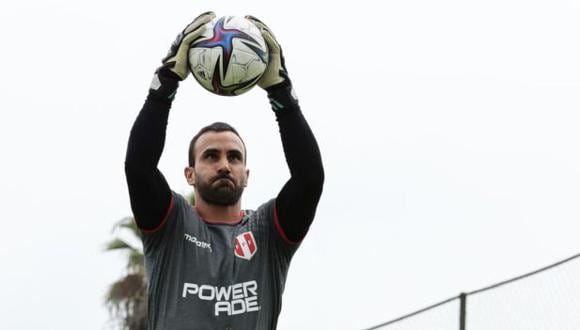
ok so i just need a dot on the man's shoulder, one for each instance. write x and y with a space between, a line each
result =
183 203
179 198
264 210
180 207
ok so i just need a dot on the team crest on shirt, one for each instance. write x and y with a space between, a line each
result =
245 245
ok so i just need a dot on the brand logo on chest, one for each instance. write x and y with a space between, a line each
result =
198 243
245 245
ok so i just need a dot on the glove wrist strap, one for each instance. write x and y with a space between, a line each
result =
282 98
164 85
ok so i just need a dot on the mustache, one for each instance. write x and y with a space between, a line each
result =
222 176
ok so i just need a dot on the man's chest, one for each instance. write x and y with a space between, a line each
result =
222 268
222 252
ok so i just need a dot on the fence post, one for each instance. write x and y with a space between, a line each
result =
462 310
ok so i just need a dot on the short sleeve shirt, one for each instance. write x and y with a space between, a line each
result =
216 276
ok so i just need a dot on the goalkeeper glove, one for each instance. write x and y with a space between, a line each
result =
275 74
175 65
176 59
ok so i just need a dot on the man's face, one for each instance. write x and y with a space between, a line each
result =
219 174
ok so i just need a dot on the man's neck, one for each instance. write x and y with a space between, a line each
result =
217 213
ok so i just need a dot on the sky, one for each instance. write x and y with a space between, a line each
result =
448 131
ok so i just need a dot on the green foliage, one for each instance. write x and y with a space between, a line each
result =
118 244
126 299
190 198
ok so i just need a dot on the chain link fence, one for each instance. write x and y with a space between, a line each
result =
545 299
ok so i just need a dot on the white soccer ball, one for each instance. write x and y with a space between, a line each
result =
231 56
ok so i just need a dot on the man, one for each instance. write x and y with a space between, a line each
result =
216 266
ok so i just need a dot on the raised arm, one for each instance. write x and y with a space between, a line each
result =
149 192
296 203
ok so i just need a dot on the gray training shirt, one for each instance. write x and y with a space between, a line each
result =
216 276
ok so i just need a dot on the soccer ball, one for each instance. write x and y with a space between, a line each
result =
230 57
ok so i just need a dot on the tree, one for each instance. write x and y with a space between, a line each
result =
127 297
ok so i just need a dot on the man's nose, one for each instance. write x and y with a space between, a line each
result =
224 165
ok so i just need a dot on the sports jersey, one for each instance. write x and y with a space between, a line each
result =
216 276
219 276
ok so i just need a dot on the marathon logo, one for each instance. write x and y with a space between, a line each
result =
197 242
229 300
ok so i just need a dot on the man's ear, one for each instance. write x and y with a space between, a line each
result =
247 177
189 175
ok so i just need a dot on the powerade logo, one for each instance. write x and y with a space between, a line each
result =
229 300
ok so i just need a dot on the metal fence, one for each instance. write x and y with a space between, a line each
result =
544 299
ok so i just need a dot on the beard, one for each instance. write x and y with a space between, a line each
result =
221 190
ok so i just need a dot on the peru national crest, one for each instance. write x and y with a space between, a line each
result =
245 245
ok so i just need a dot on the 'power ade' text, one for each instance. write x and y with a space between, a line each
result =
230 300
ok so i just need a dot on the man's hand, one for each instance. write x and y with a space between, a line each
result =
275 74
176 59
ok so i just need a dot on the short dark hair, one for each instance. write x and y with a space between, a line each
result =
215 127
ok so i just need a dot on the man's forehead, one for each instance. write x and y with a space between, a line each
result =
219 140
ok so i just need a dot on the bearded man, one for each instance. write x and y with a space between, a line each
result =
215 265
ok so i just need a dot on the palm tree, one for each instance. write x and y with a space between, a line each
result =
127 297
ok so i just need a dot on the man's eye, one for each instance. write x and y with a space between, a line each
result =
210 156
234 157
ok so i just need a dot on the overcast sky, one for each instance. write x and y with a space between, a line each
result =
448 129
